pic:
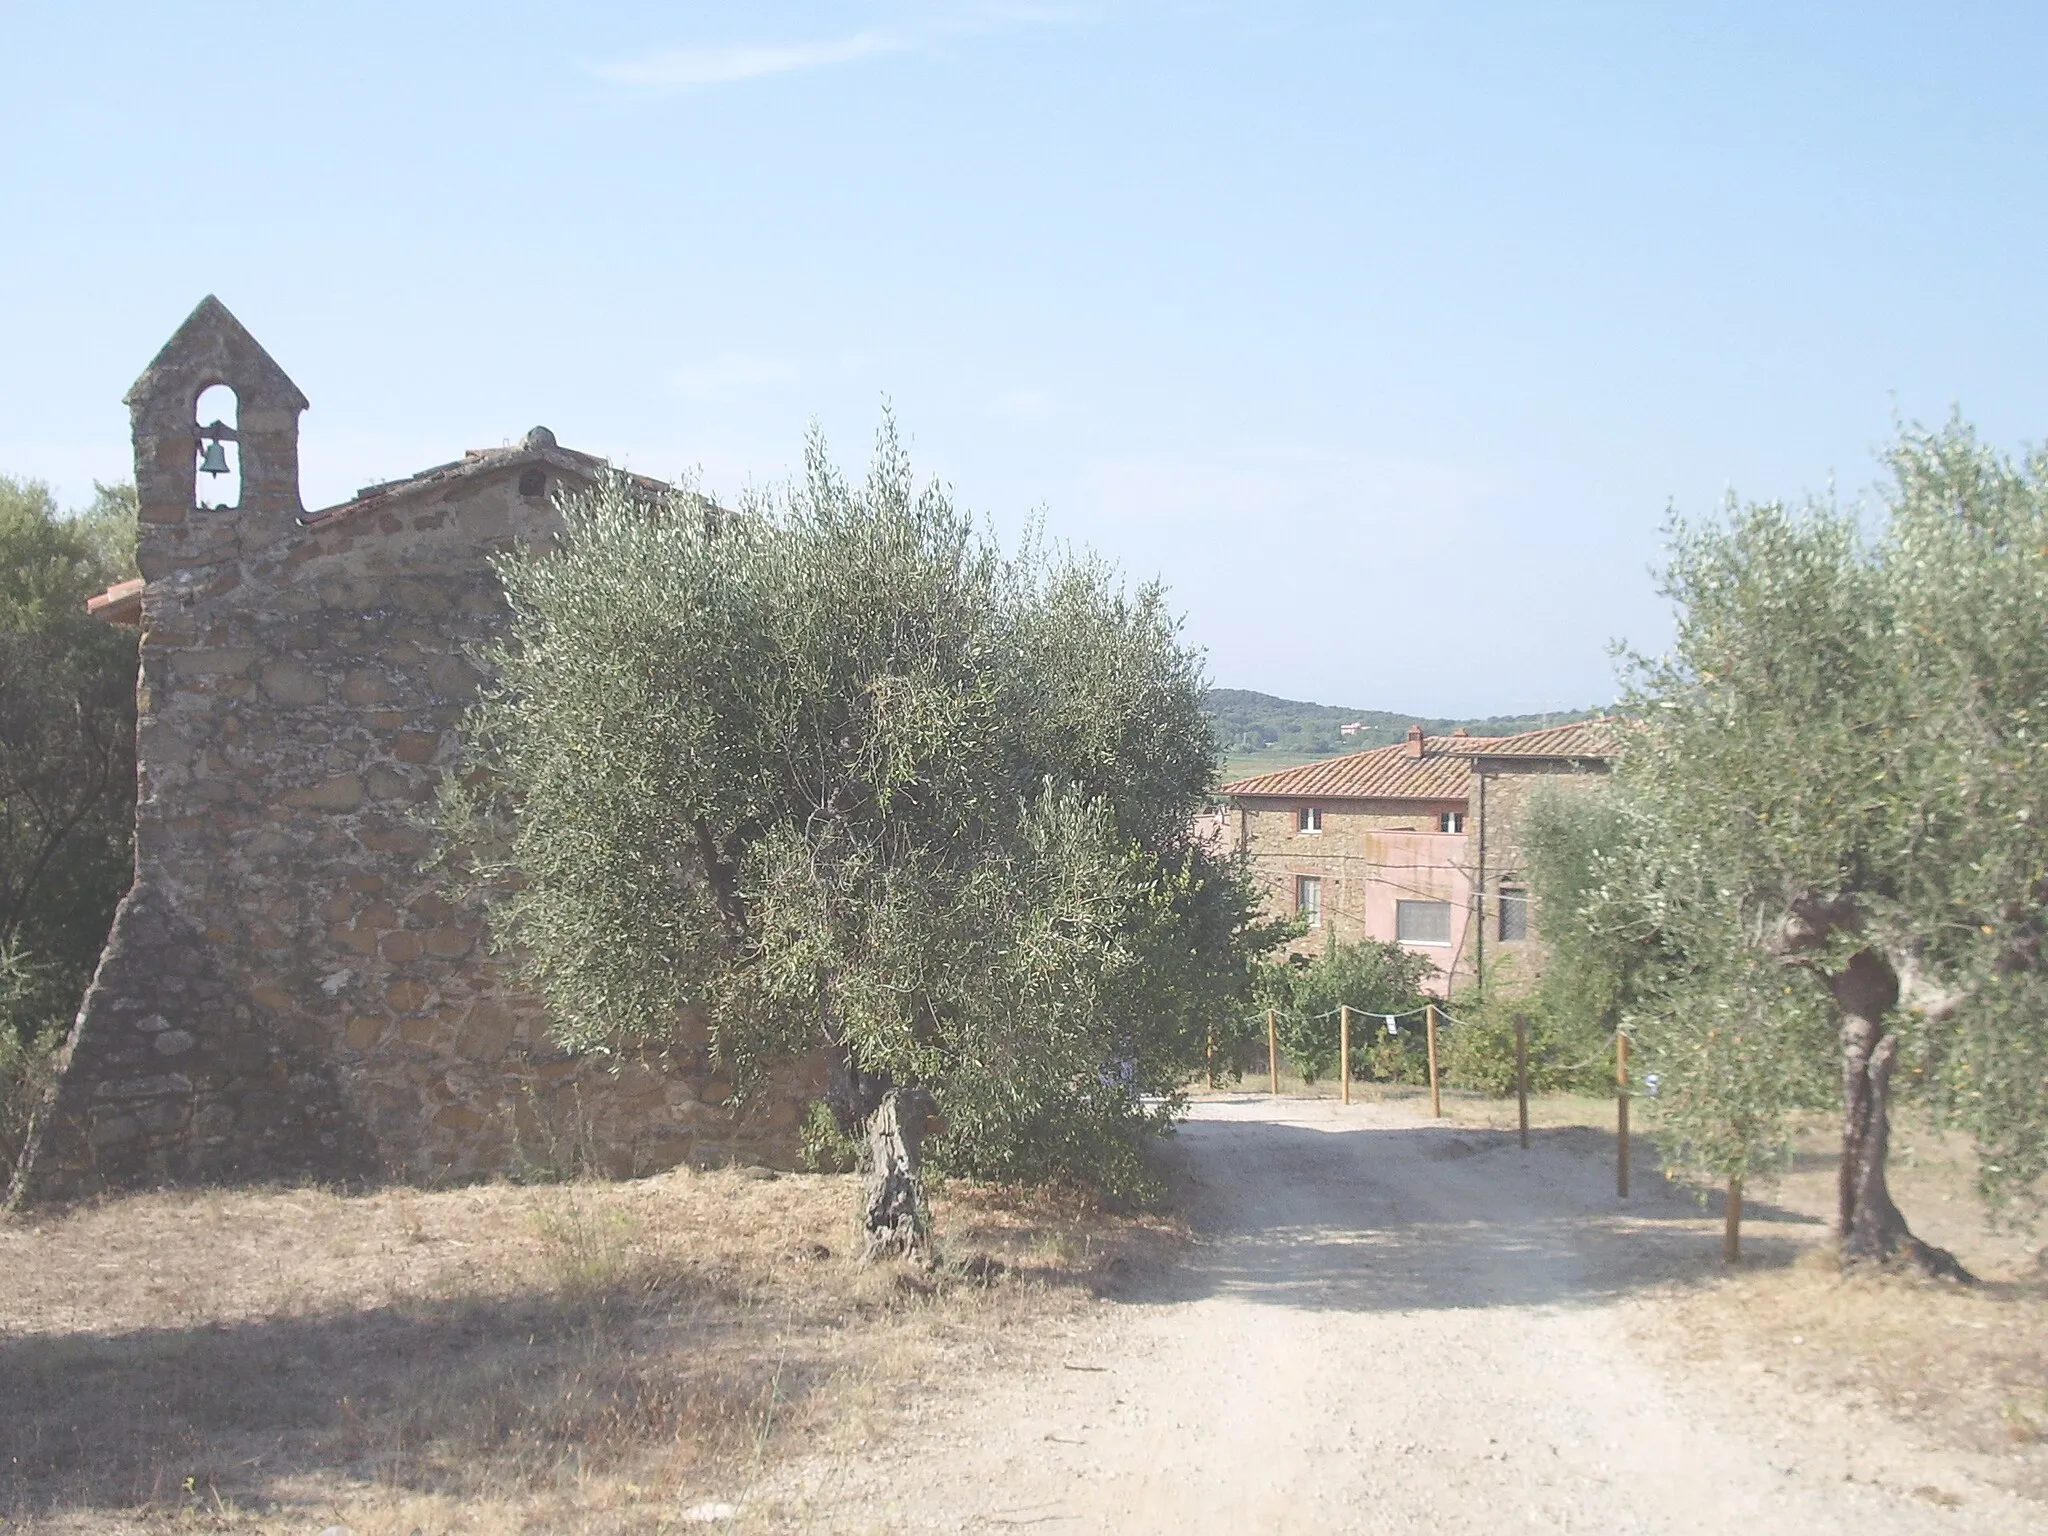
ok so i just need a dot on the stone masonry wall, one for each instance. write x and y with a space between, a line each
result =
1372 854
287 992
1369 855
290 990
1517 966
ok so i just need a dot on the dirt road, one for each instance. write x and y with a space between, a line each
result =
1389 1326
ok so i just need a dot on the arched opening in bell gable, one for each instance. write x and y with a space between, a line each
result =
217 449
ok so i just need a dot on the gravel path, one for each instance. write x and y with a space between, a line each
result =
1390 1326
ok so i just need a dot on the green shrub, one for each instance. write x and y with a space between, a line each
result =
1569 1052
1371 977
31 1031
823 1147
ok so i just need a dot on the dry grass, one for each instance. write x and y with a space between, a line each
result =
581 1358
1956 1370
1959 1373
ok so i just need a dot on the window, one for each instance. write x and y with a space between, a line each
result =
1309 819
1422 922
1514 913
1451 821
1308 898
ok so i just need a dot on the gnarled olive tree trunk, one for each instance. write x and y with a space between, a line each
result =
1869 1226
894 1120
894 1214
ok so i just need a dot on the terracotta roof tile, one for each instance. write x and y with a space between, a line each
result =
1582 738
119 604
1441 773
1384 773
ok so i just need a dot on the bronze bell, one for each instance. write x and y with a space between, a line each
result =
213 460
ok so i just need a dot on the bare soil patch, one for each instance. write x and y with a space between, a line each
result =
1388 1323
571 1358
1949 1380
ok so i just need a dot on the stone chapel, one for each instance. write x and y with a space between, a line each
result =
290 990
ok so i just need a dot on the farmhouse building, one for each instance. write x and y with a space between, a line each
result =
1417 843
291 988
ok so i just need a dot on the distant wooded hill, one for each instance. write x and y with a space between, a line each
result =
1256 730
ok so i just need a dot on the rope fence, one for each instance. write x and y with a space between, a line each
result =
1435 1018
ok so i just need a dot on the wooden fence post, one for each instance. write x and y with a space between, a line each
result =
1522 1072
1436 1098
1621 1114
1731 1227
1344 1048
1273 1050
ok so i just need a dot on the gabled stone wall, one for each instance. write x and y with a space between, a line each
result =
290 990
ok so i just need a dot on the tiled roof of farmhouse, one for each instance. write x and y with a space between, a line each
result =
1384 773
1442 772
1582 738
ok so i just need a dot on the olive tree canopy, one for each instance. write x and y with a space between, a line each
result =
1840 773
839 774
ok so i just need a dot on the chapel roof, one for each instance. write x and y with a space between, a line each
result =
119 604
538 447
122 602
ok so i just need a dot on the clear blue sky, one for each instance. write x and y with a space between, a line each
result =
1385 334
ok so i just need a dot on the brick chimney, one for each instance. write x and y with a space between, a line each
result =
1415 740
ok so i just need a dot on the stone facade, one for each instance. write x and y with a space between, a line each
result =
1368 856
290 990
1433 821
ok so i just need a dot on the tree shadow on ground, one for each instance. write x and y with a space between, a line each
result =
1378 1219
483 1393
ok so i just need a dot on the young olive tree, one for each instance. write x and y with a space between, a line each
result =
839 775
1648 937
1966 571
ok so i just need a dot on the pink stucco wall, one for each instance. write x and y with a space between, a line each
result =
1369 858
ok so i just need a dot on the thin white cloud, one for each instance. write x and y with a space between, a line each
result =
685 68
696 68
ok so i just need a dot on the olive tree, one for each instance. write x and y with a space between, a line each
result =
834 771
1840 771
